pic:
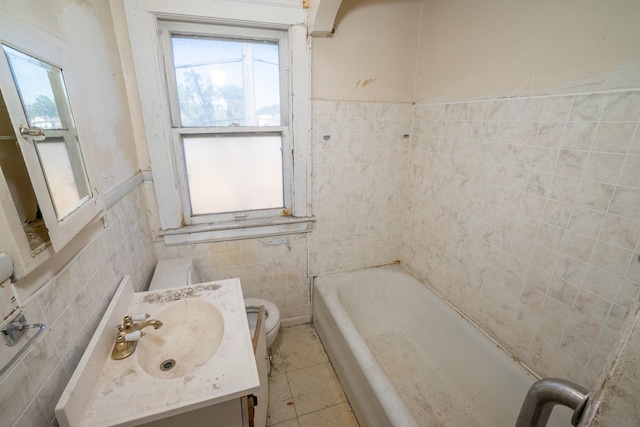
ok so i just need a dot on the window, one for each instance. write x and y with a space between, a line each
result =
35 93
226 88
227 117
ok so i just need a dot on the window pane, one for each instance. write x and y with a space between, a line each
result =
66 192
234 173
227 82
36 81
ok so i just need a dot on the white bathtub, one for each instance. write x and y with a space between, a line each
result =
405 358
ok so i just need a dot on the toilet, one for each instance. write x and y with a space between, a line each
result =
172 273
272 314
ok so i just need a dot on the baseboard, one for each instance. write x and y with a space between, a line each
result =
292 321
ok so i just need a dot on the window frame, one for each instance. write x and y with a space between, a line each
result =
170 28
145 20
46 48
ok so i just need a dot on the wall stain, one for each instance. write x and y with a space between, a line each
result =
365 83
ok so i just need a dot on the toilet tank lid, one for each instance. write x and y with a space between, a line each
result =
171 273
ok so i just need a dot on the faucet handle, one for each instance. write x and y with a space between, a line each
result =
127 322
133 336
139 317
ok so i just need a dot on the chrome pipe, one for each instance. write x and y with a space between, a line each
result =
544 394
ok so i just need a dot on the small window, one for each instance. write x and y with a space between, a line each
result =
229 115
226 102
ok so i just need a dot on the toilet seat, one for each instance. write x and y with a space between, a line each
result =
272 313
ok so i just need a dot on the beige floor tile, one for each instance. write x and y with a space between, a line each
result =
315 387
279 388
288 423
300 347
280 411
334 416
303 388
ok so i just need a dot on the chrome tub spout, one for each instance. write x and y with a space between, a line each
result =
544 395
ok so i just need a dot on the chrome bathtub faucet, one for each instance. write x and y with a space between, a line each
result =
129 333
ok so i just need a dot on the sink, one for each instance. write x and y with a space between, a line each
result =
191 333
204 346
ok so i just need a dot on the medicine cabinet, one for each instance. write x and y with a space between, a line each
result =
45 186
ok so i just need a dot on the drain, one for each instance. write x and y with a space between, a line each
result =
167 365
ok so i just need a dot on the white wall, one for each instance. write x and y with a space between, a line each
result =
470 49
523 213
371 56
87 28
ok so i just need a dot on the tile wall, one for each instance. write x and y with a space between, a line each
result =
71 304
276 272
358 180
525 214
360 153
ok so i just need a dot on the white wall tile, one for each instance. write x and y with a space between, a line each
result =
558 176
71 304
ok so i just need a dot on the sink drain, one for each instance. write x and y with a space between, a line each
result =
167 365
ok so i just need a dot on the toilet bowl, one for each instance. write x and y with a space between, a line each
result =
272 314
173 273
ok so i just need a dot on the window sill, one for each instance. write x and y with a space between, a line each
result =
236 230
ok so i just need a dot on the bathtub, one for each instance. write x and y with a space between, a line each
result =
404 357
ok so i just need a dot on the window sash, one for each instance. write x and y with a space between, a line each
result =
287 175
170 28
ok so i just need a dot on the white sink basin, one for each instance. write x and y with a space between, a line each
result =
190 335
205 331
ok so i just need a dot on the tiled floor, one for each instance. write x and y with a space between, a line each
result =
303 388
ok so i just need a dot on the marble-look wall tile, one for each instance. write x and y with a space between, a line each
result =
553 221
358 183
71 304
276 272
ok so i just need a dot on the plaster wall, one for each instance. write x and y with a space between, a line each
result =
472 50
372 54
101 104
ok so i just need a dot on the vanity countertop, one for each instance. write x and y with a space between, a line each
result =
107 392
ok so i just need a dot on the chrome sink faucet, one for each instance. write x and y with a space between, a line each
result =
129 333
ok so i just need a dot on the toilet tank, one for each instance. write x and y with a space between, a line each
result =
173 273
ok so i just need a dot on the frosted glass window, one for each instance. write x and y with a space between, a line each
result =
60 177
234 173
222 82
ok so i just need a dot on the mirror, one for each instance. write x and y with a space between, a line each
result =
45 103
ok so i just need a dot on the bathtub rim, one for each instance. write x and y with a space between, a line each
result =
398 265
388 408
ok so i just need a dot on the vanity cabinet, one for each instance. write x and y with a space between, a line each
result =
232 413
239 412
